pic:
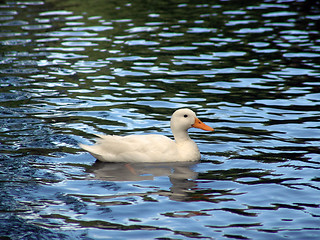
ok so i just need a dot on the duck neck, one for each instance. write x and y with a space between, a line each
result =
180 135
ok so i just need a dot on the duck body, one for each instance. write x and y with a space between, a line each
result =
151 147
142 148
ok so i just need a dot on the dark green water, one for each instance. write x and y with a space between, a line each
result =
70 69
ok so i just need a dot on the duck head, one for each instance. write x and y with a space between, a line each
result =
183 119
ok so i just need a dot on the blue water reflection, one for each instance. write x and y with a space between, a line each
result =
69 70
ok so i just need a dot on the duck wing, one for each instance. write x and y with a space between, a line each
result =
133 148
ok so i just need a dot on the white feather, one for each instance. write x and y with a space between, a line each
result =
149 148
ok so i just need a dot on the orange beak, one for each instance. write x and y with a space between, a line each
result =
201 125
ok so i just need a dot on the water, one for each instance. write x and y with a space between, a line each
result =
70 69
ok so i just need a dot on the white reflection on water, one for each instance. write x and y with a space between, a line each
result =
179 174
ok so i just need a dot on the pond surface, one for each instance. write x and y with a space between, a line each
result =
70 69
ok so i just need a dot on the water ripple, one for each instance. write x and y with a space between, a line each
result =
249 70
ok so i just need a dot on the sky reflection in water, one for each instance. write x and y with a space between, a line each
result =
72 69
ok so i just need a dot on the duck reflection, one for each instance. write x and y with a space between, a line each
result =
181 175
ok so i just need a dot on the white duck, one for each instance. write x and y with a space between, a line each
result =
152 147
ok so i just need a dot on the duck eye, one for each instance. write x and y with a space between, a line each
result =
185 115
